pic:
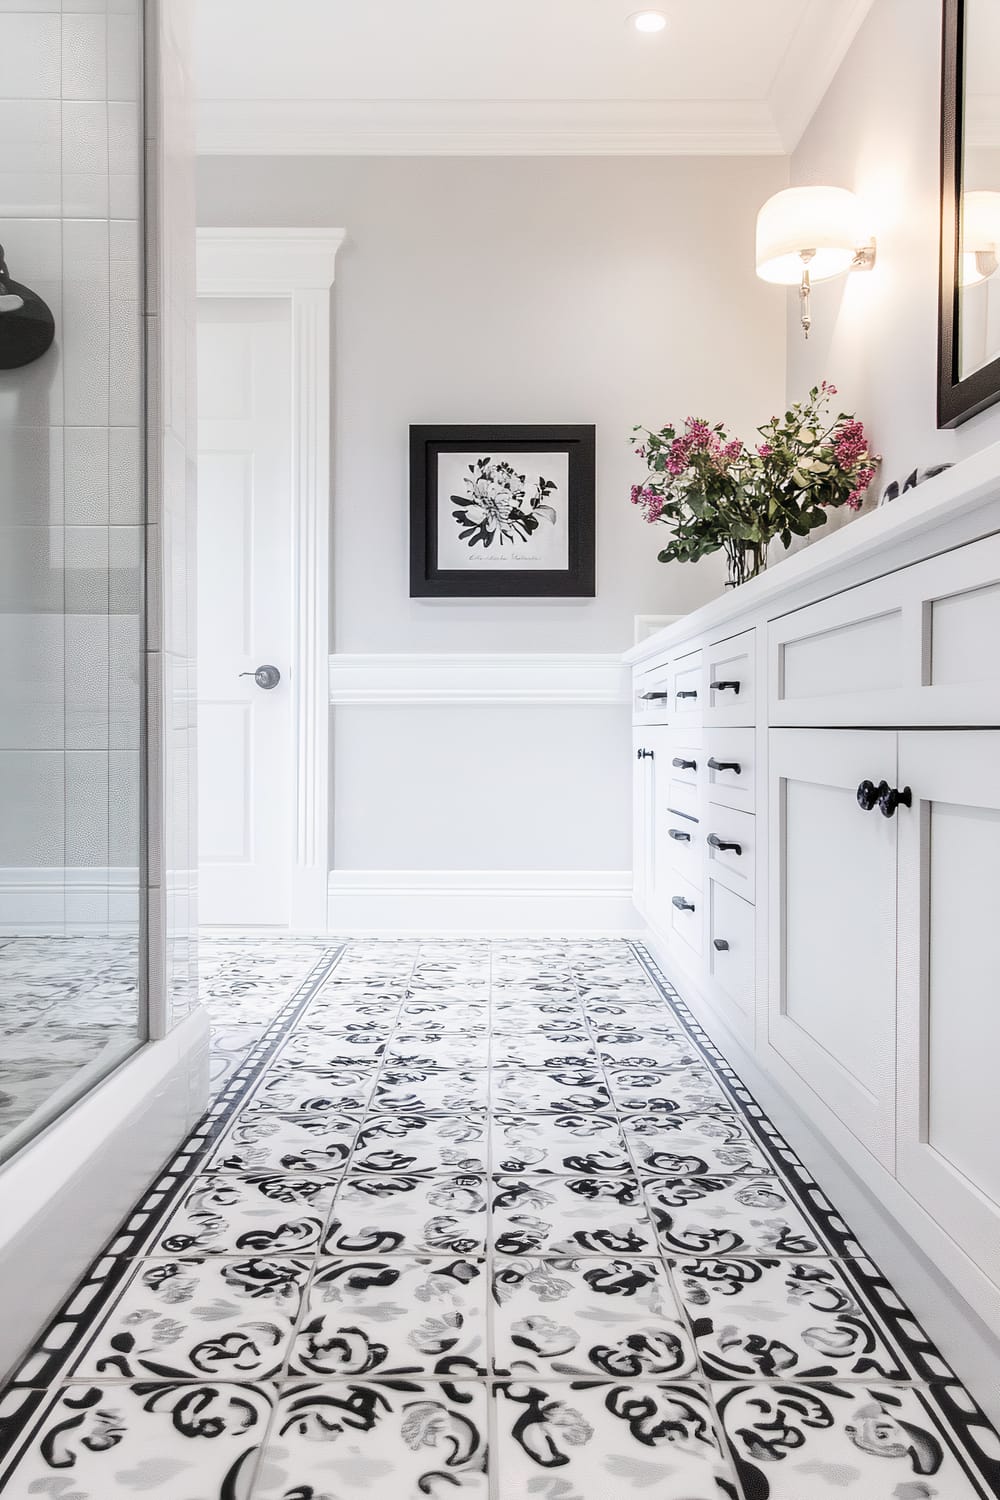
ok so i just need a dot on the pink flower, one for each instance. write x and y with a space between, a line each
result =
635 493
861 483
849 444
733 450
765 450
831 390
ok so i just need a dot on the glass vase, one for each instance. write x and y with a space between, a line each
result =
745 560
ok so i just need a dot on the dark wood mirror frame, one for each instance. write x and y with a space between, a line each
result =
958 399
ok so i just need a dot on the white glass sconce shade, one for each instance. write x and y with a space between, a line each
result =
822 227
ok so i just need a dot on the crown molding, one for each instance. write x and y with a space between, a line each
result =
266 262
809 64
416 127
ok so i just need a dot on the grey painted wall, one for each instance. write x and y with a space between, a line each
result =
875 335
603 290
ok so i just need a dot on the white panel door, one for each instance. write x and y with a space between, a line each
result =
948 1152
244 610
832 999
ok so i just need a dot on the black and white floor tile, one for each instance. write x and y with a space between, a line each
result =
486 1219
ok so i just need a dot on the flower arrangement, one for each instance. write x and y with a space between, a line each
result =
715 492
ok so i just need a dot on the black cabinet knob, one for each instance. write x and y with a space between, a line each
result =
687 693
681 903
717 843
720 945
724 765
891 798
869 794
652 697
644 755
725 687
679 835
684 765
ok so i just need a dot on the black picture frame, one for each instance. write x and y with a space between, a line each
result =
428 580
958 398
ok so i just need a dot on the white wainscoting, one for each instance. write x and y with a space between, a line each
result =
482 901
472 679
476 899
46 899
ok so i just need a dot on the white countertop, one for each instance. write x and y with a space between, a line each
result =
959 492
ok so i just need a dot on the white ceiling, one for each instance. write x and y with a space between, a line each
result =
512 76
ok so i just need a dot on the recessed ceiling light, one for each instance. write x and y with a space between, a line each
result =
648 20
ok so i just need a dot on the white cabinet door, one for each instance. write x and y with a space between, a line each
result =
832 985
643 756
949 1002
244 611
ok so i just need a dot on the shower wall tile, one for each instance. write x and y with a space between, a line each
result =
33 396
87 562
87 835
87 656
86 324
30 137
32 830
34 716
31 475
126 477
87 476
124 641
124 148
123 808
85 56
30 56
32 578
123 56
125 560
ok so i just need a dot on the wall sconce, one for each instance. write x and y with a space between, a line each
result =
808 234
980 237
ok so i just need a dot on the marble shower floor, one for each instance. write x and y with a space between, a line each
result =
488 1218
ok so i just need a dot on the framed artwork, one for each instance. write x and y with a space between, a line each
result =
501 512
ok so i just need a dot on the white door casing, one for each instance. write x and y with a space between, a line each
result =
244 610
296 268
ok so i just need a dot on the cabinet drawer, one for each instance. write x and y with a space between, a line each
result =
731 847
686 687
731 941
686 916
683 846
728 760
686 762
651 693
682 797
729 680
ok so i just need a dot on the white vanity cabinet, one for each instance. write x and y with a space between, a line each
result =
845 942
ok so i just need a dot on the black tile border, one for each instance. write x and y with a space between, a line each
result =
959 1412
31 1381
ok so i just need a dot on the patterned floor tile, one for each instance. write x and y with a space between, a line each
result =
439 1049
288 1088
564 1144
199 1319
394 1317
694 1145
692 1091
404 1142
570 1216
579 1440
880 1442
782 1319
400 1440
614 1318
196 1440
549 1053
436 1092
267 1141
565 1091
720 1216
380 1215
254 1213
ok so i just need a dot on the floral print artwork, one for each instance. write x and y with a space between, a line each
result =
476 1219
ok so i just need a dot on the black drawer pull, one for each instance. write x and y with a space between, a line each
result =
651 697
717 843
869 794
684 765
892 798
681 903
679 835
724 765
720 945
686 693
725 687
644 755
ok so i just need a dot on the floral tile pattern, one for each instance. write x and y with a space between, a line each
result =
479 1218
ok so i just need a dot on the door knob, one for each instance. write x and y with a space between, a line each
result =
892 798
869 794
265 677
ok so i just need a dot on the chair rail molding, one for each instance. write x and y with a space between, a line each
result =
471 679
298 265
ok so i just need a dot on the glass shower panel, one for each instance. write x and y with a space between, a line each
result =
72 521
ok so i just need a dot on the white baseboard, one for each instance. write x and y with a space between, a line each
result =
42 899
481 901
